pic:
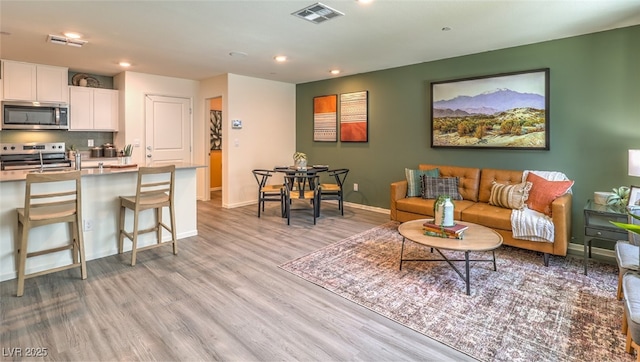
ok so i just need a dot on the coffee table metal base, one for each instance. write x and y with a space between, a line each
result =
466 260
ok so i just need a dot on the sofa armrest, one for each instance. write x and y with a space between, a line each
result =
561 217
398 191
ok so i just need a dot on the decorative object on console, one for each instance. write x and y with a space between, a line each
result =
619 197
354 117
509 110
634 197
601 197
325 121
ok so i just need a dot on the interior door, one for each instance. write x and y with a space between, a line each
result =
168 129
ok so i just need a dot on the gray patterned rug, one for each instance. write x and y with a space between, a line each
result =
523 312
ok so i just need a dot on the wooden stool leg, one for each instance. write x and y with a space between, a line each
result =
73 233
172 215
22 259
79 239
158 224
121 228
627 346
625 326
135 237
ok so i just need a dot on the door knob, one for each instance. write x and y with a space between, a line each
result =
149 156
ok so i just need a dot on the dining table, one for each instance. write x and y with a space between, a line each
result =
291 172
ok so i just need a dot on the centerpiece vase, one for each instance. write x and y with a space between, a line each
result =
443 212
301 164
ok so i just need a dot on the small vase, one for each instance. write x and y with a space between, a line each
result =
301 164
443 212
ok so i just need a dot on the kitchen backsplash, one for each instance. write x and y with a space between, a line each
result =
78 139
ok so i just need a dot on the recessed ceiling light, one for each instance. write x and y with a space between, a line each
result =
73 35
364 1
335 71
125 64
280 58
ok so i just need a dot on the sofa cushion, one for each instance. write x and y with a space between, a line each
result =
468 178
414 180
543 192
432 187
494 217
509 196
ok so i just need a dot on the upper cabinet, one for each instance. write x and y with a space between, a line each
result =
93 109
34 82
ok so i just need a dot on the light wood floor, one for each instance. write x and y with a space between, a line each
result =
221 298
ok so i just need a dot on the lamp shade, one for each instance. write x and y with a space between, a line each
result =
634 163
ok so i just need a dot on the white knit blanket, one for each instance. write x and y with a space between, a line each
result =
527 224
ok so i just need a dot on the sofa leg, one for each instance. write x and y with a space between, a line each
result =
546 259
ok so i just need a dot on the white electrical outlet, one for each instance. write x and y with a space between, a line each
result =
90 143
355 187
88 224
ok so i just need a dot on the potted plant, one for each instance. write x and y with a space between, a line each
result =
300 160
620 196
443 211
126 154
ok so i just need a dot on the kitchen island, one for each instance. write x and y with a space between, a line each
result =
101 189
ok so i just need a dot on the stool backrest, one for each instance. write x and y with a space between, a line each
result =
52 192
156 181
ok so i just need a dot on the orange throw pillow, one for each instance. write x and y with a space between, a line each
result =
543 192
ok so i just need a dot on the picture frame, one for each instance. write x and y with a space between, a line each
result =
325 118
634 197
501 111
354 117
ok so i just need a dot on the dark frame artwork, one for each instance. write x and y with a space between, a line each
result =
502 111
354 117
325 118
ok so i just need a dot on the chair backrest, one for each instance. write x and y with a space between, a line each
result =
340 175
156 181
262 177
39 194
300 183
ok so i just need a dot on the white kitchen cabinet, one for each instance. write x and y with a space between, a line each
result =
34 82
93 109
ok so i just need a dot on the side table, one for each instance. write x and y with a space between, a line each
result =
597 225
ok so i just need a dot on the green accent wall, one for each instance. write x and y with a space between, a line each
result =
594 117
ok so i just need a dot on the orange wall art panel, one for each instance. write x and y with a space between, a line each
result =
325 121
354 117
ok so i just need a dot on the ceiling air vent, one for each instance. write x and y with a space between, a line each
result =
317 13
62 40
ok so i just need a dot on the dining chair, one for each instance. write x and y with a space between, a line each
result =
627 254
302 186
334 191
267 192
154 191
44 207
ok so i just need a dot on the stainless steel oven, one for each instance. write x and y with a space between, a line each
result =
26 156
35 115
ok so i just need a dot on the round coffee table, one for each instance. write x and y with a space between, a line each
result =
476 238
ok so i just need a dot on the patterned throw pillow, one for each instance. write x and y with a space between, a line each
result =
509 196
432 187
543 192
414 183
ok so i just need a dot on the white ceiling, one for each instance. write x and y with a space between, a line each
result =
193 39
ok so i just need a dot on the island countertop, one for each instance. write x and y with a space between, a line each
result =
21 175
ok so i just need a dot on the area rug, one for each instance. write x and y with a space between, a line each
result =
524 311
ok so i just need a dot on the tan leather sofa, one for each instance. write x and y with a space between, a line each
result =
475 188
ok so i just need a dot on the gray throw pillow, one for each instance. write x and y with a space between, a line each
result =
432 187
414 182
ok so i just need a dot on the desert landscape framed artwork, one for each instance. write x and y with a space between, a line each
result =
354 121
509 110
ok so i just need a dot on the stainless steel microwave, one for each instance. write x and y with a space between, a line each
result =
35 115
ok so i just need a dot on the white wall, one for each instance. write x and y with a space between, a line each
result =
133 87
267 138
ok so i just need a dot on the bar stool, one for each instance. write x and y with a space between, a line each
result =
43 207
154 191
